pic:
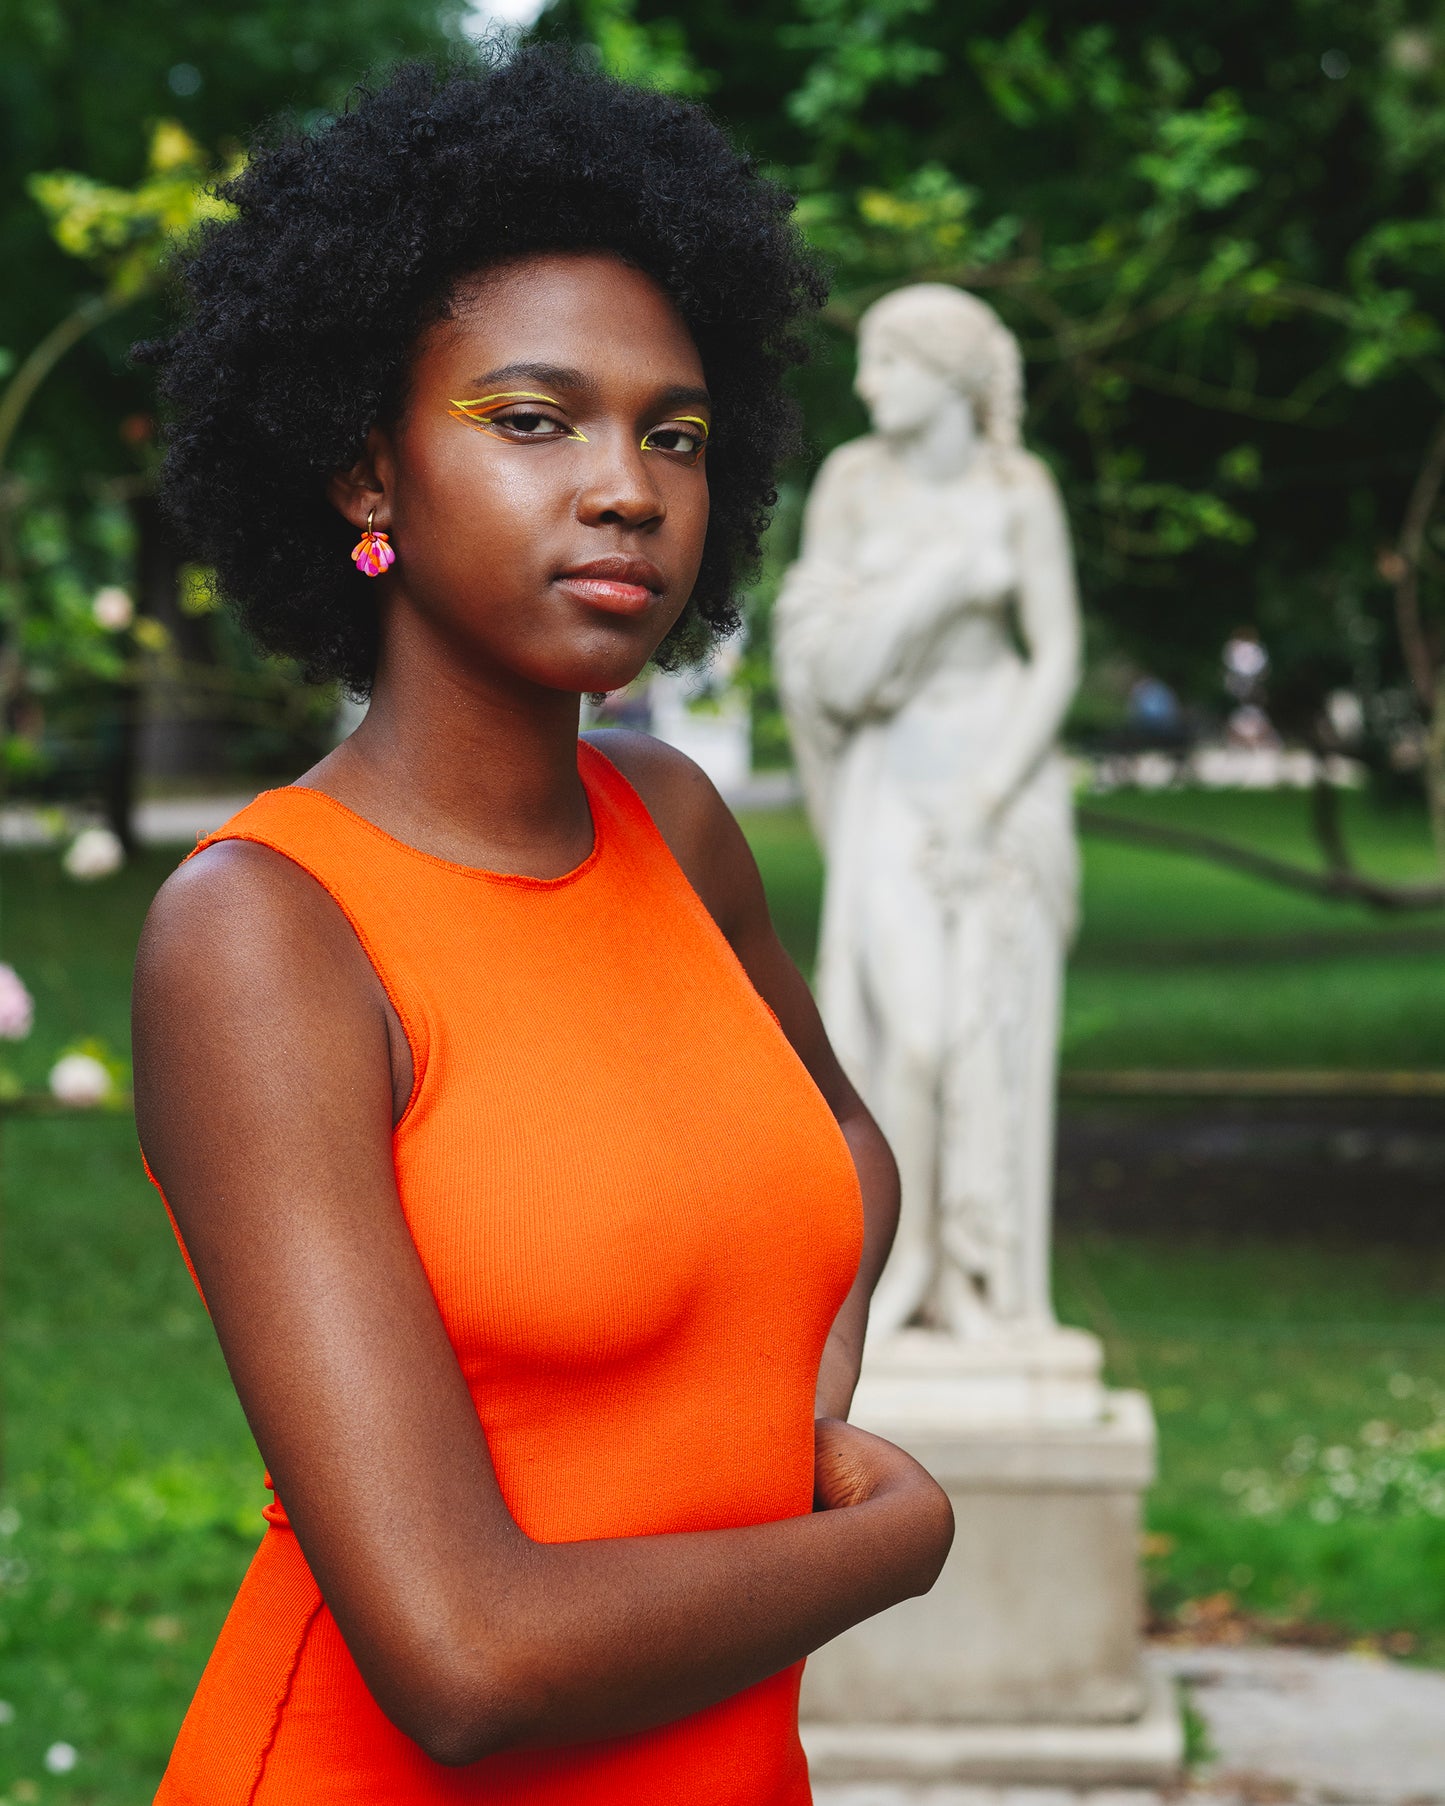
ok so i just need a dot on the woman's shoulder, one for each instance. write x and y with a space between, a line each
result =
238 915
685 806
677 793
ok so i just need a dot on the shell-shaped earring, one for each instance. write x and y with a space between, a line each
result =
372 553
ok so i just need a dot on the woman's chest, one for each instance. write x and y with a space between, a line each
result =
586 1187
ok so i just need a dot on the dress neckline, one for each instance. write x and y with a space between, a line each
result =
519 880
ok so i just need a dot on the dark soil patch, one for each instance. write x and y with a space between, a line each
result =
1368 1170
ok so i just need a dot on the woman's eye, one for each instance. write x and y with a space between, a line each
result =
532 425
491 414
683 441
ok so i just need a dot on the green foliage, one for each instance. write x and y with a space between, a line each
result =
858 48
84 86
1217 233
128 232
90 94
653 55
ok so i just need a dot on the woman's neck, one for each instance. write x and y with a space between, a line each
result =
477 768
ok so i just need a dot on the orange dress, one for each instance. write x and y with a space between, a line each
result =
638 1217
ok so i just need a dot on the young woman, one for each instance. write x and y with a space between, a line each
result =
535 1216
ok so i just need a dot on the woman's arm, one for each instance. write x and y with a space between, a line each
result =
265 1103
709 845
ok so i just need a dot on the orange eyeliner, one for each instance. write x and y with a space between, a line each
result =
479 413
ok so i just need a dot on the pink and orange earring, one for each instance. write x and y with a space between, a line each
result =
372 553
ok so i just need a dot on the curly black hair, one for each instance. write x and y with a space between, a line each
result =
304 307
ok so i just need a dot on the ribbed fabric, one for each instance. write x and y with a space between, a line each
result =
638 1218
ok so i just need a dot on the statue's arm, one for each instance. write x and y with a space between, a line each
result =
848 647
1049 623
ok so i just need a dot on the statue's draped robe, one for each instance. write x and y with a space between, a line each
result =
958 979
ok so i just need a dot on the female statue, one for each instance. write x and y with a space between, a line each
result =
927 644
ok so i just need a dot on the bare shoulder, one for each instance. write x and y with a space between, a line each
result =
233 905
246 971
847 467
853 457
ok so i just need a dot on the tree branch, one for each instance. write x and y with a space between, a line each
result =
1405 567
46 355
1338 885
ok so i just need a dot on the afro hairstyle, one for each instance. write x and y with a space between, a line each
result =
346 242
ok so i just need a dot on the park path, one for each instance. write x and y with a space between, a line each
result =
1287 1728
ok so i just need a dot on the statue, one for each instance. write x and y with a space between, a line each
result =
927 647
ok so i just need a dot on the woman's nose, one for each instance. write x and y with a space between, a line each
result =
620 489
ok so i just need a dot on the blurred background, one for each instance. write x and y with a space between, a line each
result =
1219 233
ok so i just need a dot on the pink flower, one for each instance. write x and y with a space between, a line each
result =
17 1006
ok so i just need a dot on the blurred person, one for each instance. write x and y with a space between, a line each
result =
1246 665
535 1216
1154 713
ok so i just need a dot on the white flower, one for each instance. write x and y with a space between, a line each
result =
79 1079
60 1758
17 1006
113 608
94 853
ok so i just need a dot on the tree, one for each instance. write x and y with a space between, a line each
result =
85 88
1218 233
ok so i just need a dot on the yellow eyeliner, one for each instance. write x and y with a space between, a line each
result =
687 420
468 411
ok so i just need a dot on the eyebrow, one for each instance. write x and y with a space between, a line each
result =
563 376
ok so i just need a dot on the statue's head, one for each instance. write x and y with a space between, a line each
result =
921 346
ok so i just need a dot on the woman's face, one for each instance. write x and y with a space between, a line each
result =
546 488
902 393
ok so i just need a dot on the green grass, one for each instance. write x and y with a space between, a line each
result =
129 1468
1245 1349
1180 963
132 1490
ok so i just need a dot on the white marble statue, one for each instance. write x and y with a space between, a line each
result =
927 645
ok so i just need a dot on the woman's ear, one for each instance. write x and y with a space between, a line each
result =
364 489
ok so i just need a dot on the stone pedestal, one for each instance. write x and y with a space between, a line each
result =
1023 1664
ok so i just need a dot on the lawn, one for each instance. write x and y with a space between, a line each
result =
132 1491
1180 963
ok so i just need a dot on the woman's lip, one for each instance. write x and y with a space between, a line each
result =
608 594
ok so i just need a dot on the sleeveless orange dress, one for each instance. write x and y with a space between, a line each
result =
638 1217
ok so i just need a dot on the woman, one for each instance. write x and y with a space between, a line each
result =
529 1203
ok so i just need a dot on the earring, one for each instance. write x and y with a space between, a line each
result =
372 553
